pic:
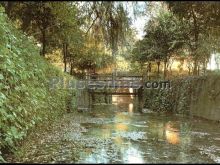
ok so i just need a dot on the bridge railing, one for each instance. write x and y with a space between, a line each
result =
116 82
110 77
124 77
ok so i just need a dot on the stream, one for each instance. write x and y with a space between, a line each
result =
121 133
147 137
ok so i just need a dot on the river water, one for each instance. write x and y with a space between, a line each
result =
141 136
122 132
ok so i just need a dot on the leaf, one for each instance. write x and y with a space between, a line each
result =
1 77
2 96
2 159
9 141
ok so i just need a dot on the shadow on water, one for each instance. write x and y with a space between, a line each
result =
140 136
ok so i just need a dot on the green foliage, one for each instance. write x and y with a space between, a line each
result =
163 37
68 26
184 29
202 28
177 99
1 159
109 22
25 98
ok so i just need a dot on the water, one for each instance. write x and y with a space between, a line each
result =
132 136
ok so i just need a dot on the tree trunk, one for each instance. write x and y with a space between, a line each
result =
71 68
189 71
43 42
204 66
94 70
114 67
198 70
8 9
165 69
149 66
195 66
64 55
148 69
158 68
170 71
196 37
142 68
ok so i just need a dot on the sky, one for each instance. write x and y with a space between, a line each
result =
139 22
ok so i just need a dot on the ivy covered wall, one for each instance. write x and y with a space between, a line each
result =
25 97
196 95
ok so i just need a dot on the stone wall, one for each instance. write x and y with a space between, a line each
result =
199 96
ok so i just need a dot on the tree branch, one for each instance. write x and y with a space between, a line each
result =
91 25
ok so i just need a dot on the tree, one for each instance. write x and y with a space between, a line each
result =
67 34
110 21
35 17
69 25
167 36
163 37
200 18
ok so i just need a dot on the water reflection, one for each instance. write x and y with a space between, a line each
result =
131 90
130 108
114 100
132 155
121 127
140 138
98 158
172 134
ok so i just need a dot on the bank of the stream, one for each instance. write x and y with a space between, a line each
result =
25 97
120 133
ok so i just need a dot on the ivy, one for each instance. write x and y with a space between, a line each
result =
25 99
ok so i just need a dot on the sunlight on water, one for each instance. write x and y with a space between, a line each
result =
130 108
131 90
118 140
121 127
172 137
144 138
114 99
172 134
132 155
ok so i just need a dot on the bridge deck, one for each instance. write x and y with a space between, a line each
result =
115 93
102 82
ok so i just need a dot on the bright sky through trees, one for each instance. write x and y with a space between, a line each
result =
139 22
